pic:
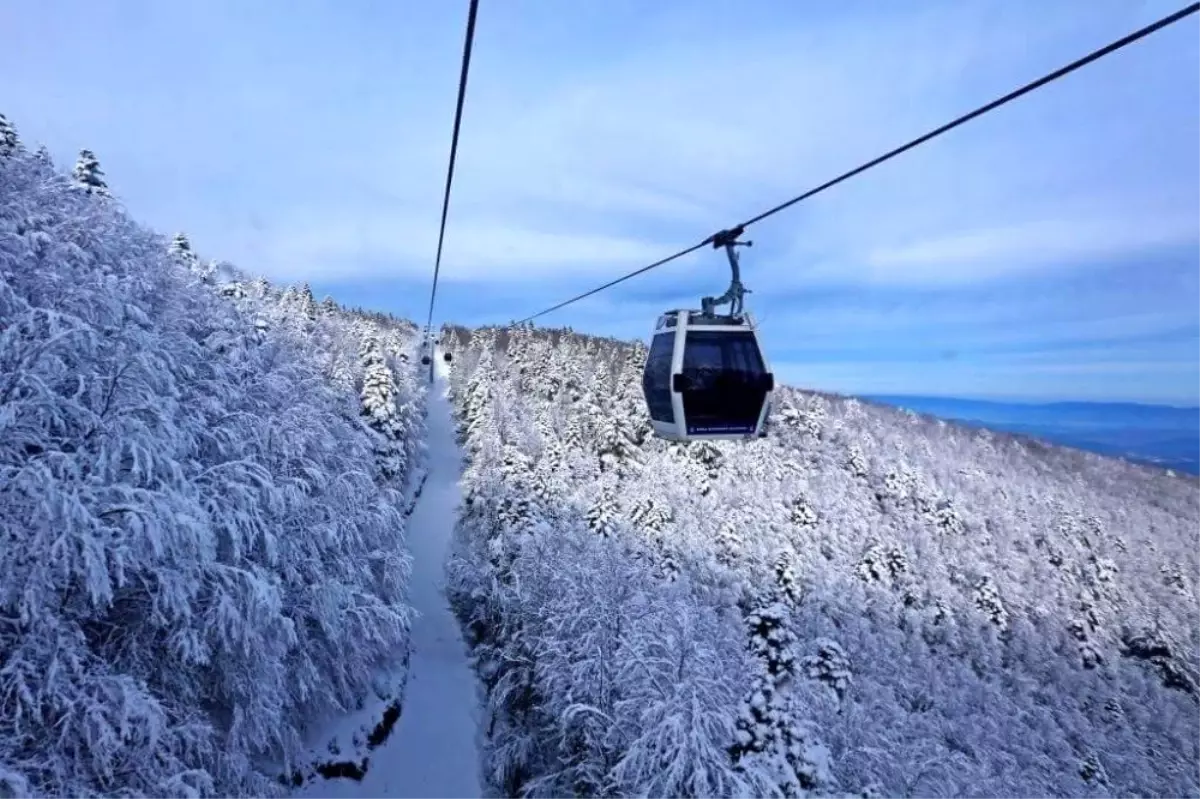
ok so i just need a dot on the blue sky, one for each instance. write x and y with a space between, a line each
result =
1050 250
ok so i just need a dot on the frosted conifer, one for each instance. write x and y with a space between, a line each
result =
9 143
88 174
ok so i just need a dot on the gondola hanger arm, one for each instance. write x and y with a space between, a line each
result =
735 294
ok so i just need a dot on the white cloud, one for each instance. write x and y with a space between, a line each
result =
591 167
989 251
967 327
1107 367
1035 187
596 154
380 246
680 138
1133 380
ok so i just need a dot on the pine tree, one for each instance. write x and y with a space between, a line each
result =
881 563
767 726
573 437
802 513
234 290
379 408
614 441
181 249
829 665
260 288
88 174
308 303
730 545
602 515
9 143
629 402
1092 770
786 580
705 455
770 638
651 516
987 599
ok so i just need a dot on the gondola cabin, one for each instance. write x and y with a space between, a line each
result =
447 357
706 378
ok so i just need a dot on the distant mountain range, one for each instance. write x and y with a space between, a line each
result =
1161 435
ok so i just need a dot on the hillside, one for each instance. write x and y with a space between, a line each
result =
205 489
867 602
202 503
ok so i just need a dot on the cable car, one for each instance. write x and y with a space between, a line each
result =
706 376
447 357
426 347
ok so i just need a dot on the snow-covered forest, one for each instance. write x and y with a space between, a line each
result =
867 602
203 488
205 482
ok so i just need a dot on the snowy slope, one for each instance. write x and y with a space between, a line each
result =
432 751
202 532
867 601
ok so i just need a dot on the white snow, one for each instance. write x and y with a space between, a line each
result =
433 750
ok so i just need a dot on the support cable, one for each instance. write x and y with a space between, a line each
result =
1095 55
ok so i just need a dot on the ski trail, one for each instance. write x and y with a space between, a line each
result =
433 750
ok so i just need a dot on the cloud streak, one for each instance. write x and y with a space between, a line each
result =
602 136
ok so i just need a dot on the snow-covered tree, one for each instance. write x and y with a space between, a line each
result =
615 441
196 560
935 585
379 408
308 303
602 515
181 249
770 734
9 143
786 580
88 174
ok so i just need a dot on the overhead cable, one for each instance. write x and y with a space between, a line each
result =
458 110
1095 55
